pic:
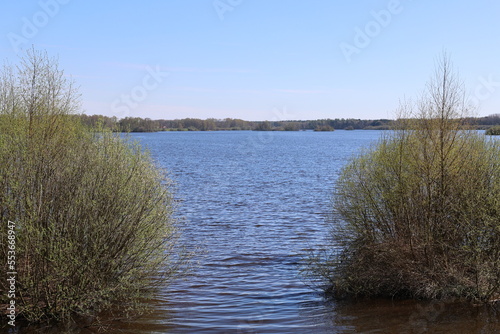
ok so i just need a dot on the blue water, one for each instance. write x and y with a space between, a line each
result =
253 205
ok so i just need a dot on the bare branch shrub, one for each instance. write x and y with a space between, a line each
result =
93 214
418 215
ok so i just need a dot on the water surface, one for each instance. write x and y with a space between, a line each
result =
254 204
256 201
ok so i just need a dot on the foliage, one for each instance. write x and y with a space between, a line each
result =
291 126
324 128
263 126
137 124
418 215
494 131
93 214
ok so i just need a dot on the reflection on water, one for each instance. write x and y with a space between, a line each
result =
255 203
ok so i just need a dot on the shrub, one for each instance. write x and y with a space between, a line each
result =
494 131
418 215
93 214
324 128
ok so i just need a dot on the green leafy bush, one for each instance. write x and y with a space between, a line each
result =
93 215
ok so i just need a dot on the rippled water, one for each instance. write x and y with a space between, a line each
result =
254 203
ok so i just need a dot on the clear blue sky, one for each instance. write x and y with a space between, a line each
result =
258 59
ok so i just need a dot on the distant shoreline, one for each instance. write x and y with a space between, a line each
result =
138 124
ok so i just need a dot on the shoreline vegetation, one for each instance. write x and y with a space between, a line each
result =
418 215
91 223
493 131
137 124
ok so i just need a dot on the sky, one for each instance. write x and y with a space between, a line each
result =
258 59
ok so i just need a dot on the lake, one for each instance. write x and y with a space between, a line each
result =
253 205
255 202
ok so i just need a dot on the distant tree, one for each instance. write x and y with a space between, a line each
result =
324 128
291 126
263 126
494 131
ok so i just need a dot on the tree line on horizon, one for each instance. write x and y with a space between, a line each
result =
138 124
